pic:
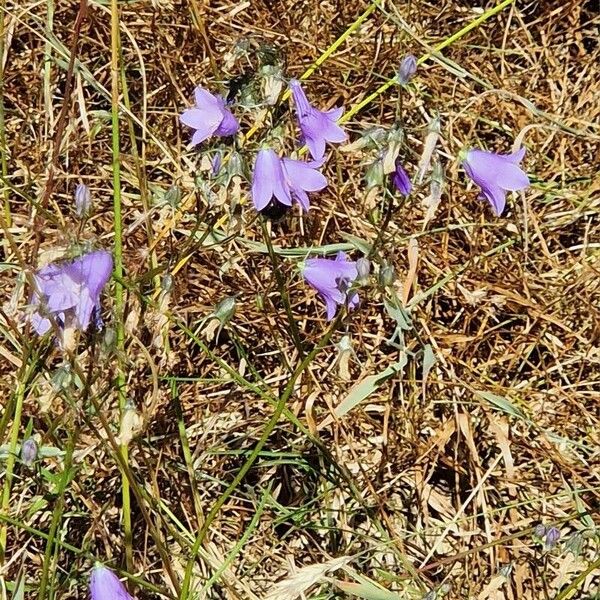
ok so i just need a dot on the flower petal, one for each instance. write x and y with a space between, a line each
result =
268 180
302 176
513 178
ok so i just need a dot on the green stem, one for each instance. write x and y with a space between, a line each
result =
118 258
285 298
10 462
56 517
279 408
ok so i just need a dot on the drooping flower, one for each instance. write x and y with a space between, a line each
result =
283 180
105 585
70 291
401 180
496 174
317 126
209 117
83 200
408 67
332 279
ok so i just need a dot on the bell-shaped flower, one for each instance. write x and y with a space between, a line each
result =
332 278
83 200
282 180
496 174
318 127
401 180
105 585
209 117
70 291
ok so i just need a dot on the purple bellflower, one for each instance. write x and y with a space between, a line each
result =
332 279
70 291
317 126
401 180
496 174
284 179
209 117
105 585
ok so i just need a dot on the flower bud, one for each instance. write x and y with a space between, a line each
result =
539 531
83 200
374 175
363 268
215 164
387 275
29 451
408 67
552 537
225 310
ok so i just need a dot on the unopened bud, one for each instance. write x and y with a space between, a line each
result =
215 164
363 268
374 175
539 531
552 537
29 451
83 200
408 67
225 310
387 275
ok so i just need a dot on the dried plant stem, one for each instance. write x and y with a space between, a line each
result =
118 258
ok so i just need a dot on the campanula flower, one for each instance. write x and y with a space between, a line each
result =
496 174
105 585
408 67
70 291
83 200
332 279
209 117
317 126
401 180
283 180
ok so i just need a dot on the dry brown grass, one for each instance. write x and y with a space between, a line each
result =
425 486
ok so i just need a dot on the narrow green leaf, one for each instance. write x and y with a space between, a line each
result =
501 403
428 361
363 389
368 591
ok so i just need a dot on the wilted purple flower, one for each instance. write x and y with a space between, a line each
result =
29 451
70 291
215 164
209 117
317 126
401 180
408 67
363 269
105 585
332 278
284 179
496 174
83 200
552 537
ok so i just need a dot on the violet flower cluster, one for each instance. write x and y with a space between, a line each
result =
278 182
